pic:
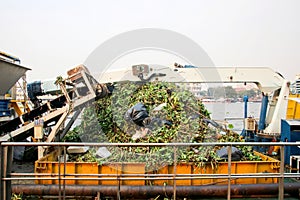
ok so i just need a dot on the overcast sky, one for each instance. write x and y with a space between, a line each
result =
51 37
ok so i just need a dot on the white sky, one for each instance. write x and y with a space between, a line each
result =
50 37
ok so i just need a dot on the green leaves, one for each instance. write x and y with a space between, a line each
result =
182 109
230 126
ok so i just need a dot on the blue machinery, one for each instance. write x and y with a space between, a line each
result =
252 129
263 113
9 76
289 132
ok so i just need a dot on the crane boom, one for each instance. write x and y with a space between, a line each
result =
266 79
269 82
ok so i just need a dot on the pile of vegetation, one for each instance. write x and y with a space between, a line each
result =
174 115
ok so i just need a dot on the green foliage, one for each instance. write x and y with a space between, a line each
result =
72 136
104 122
250 93
230 126
222 92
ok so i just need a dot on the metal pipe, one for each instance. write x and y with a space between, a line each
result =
1 171
59 174
65 170
241 190
174 173
245 107
16 176
229 150
281 180
263 113
160 177
183 144
9 160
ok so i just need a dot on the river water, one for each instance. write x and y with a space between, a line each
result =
221 111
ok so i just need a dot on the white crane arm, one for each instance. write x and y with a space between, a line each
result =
265 78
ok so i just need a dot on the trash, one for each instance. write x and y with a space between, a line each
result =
103 152
156 122
137 113
140 133
77 149
236 154
160 107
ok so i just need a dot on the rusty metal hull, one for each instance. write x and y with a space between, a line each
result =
241 190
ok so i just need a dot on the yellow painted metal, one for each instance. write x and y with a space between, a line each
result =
114 170
21 107
293 109
267 165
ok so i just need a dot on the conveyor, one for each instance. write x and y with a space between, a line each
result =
55 112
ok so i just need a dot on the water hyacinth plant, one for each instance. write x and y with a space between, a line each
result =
175 115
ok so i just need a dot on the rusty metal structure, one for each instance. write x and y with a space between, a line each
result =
144 192
63 190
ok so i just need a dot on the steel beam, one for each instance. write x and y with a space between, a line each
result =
1 172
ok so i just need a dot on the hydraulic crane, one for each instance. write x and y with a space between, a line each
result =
274 88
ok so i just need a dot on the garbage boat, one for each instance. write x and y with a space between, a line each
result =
54 175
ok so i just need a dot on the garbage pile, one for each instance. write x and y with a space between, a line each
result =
155 112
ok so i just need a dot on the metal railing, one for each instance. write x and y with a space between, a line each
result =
6 152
